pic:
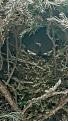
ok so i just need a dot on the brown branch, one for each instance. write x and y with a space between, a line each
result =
48 95
5 92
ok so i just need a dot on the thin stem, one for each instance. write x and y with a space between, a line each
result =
8 66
